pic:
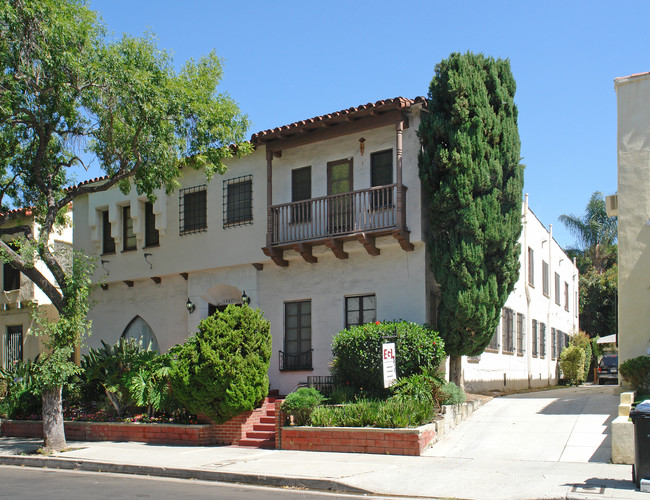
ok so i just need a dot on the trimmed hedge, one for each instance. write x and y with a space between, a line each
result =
572 363
222 370
358 359
636 371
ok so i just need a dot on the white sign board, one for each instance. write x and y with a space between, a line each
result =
390 373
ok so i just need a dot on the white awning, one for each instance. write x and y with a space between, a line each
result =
607 339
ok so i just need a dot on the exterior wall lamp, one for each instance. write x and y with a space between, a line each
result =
190 306
245 298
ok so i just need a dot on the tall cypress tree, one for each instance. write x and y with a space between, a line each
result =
470 169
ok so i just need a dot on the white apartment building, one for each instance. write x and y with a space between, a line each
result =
322 227
20 297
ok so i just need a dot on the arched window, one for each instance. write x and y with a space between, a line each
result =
140 330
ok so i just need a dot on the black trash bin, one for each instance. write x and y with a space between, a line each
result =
641 419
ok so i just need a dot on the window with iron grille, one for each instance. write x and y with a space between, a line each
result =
297 337
531 267
13 345
108 242
542 340
238 201
507 329
494 343
566 296
381 174
557 289
192 210
546 285
151 235
360 310
553 343
300 191
521 333
534 339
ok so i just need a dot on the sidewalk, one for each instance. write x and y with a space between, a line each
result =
505 463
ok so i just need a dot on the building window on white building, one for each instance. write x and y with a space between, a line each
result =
494 343
140 331
192 210
238 201
108 242
151 235
553 343
297 354
434 305
531 267
534 339
546 283
566 296
542 340
381 174
521 334
10 277
557 289
300 191
129 241
507 329
360 310
13 345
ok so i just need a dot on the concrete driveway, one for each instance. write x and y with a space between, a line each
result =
567 424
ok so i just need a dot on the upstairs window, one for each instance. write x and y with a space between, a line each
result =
546 283
192 210
238 201
381 174
151 235
11 277
360 310
557 289
301 190
128 236
531 267
108 242
566 296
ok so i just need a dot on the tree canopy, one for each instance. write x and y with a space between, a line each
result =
470 169
70 94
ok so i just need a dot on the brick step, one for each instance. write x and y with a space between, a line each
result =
270 412
264 427
267 420
266 435
257 443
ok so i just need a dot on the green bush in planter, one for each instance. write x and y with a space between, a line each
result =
222 370
637 372
451 394
21 396
572 363
358 358
301 403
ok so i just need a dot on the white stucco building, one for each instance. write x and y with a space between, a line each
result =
20 297
321 227
632 205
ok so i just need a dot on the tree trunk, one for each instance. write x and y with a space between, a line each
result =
53 432
456 371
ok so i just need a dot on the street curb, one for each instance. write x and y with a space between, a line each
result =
204 475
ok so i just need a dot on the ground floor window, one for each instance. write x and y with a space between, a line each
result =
521 333
534 339
13 345
138 329
360 310
507 327
297 337
542 340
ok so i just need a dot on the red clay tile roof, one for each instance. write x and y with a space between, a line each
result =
338 116
17 211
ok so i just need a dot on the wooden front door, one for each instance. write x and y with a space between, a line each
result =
339 185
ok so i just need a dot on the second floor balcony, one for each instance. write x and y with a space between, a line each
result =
329 220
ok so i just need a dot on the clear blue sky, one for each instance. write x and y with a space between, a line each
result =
289 60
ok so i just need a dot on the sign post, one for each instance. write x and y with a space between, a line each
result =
388 355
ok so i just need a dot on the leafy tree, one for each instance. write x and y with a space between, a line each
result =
470 170
68 93
598 301
222 370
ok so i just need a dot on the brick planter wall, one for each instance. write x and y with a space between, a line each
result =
228 433
358 439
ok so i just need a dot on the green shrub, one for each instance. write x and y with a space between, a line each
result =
452 394
392 413
636 371
358 359
21 395
301 403
583 341
222 370
424 387
342 394
572 363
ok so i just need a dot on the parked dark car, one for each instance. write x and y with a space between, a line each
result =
608 369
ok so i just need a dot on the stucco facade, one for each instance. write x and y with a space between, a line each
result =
633 145
327 230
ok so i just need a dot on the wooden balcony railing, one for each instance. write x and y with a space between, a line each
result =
336 215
